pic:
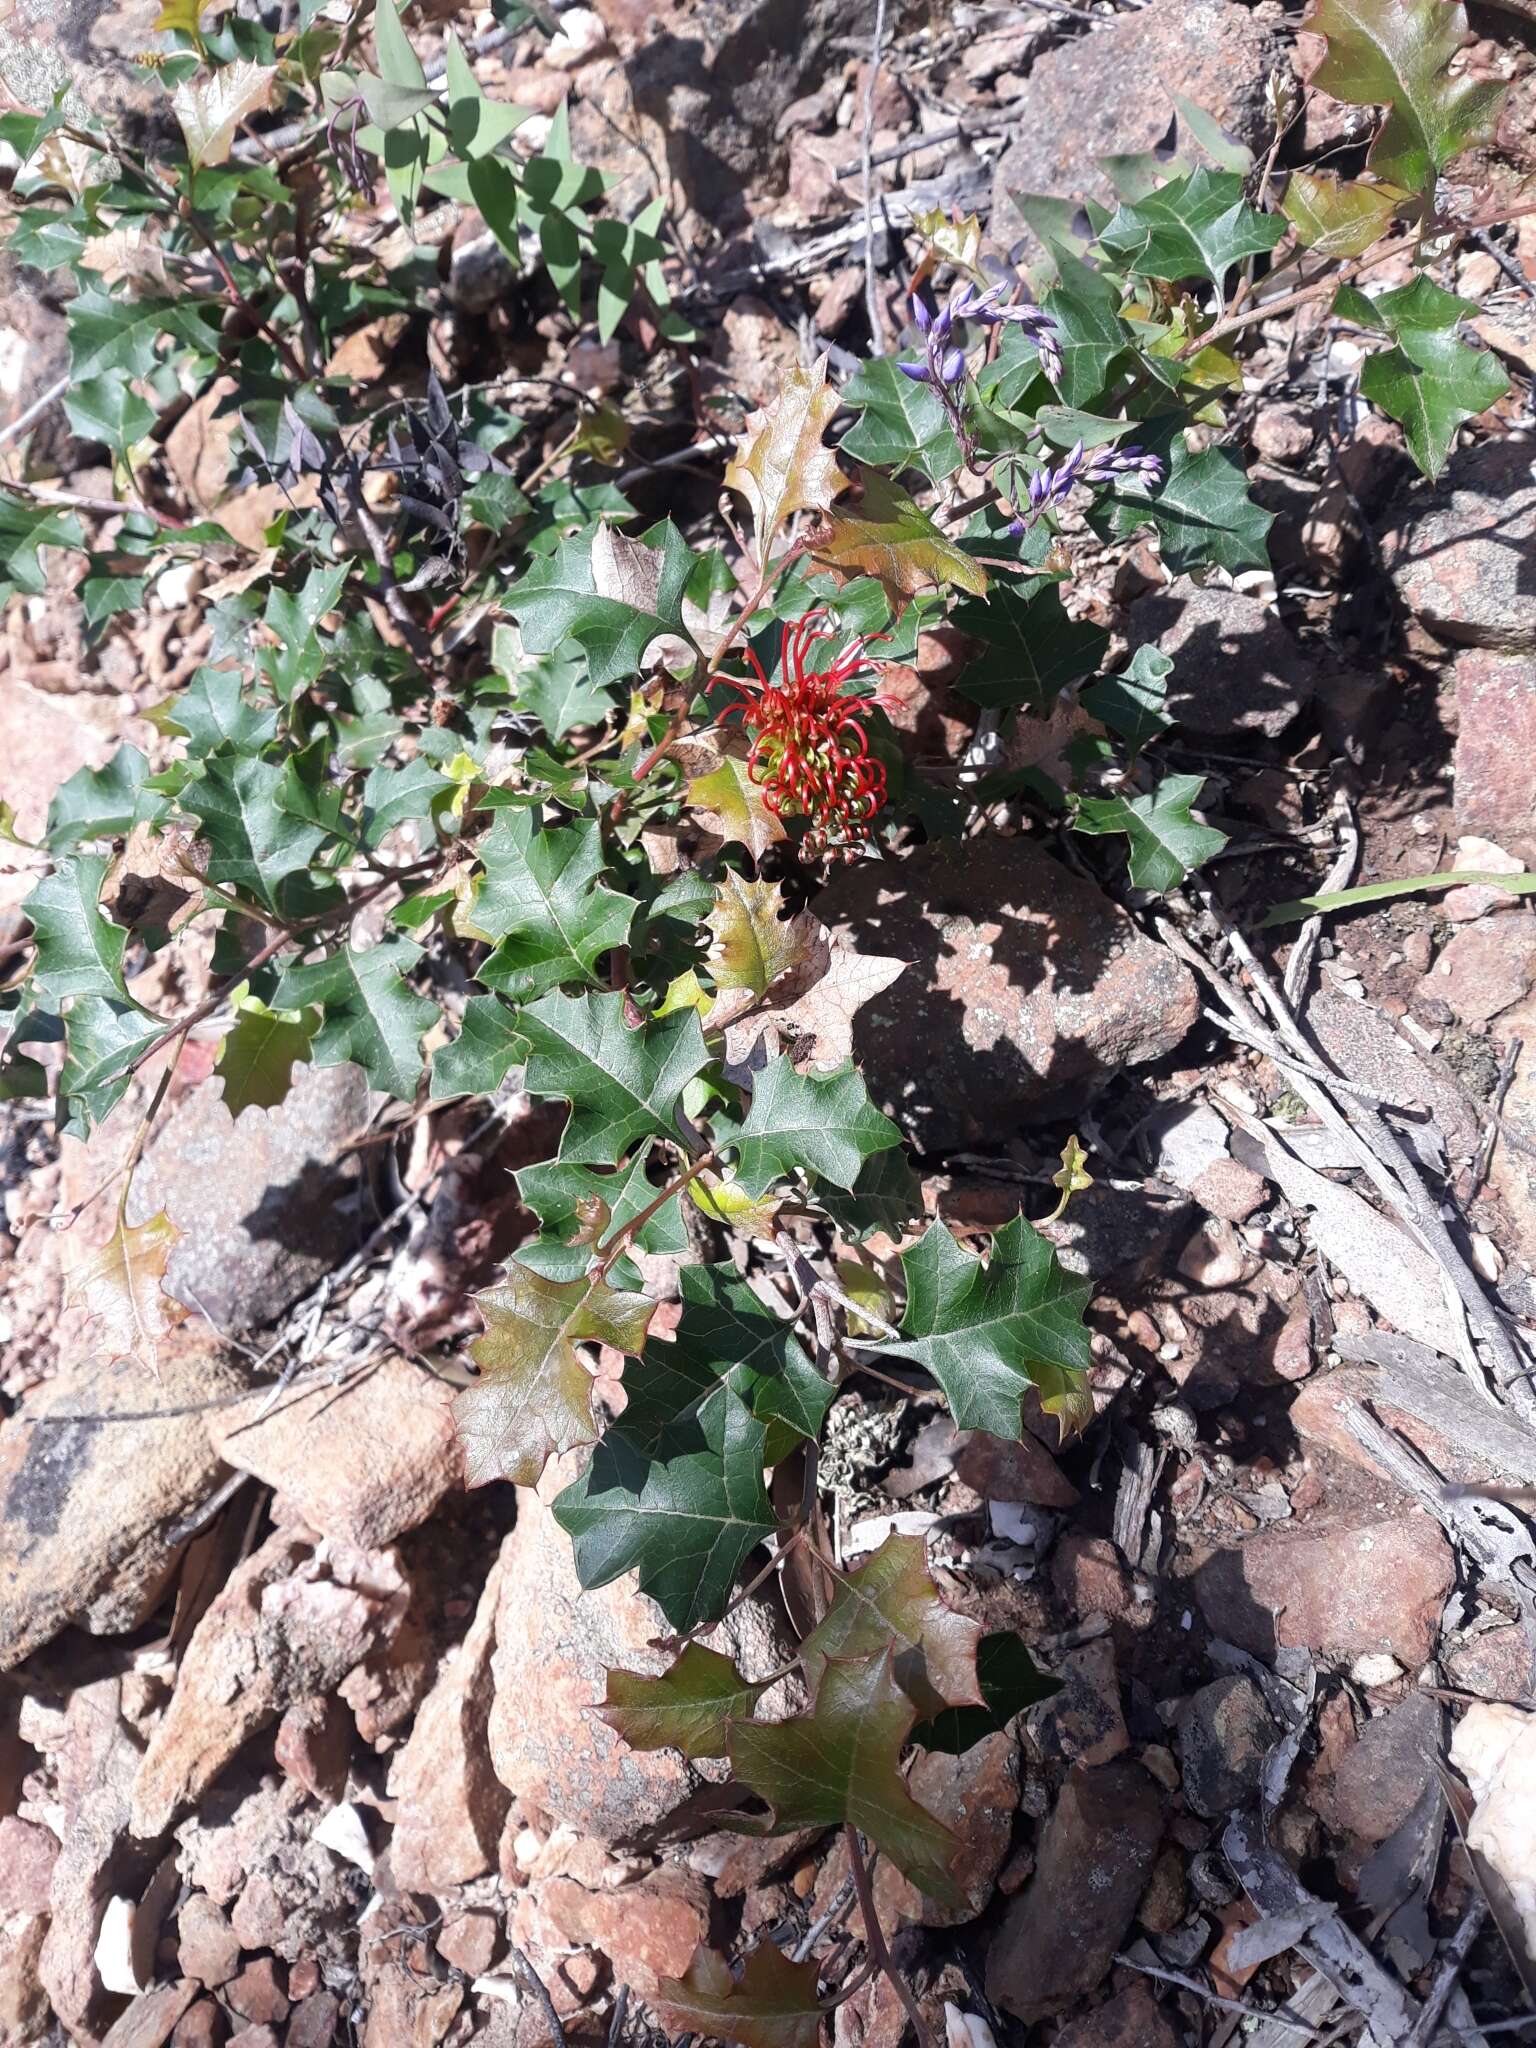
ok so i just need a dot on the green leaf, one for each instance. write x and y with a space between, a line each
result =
294 616
753 943
725 1334
1166 840
554 1191
886 1197
1397 54
107 334
1402 885
556 688
406 148
1089 330
890 537
256 843
609 595
684 1515
396 796
1198 226
78 952
988 1331
97 803
534 1394
1201 512
476 125
543 905
901 425
622 1084
891 1601
1032 648
103 1038
838 1766
1338 217
1432 380
773 2004
213 711
488 1046
1132 702
258 1055
107 409
370 1016
685 1708
24 528
824 1124
1010 1682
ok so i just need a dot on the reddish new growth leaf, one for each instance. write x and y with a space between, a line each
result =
773 2004
810 754
892 1602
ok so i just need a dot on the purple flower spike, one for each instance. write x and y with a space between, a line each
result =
918 372
953 367
920 312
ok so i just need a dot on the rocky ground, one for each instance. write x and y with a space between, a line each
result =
294 1740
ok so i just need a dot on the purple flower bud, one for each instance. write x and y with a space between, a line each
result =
943 321
920 312
1014 528
952 369
918 372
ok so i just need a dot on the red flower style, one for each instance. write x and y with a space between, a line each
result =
810 754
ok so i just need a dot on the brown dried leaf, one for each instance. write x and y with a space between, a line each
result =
813 1011
754 944
780 466
121 1289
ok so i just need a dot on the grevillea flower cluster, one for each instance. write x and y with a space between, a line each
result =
810 753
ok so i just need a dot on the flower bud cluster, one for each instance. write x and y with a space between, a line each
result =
1051 485
944 359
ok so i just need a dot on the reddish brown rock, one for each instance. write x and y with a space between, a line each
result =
450 1806
312 2024
1237 666
292 1621
27 1856
554 1645
1487 967
314 1742
200 2026
25 2010
1229 1190
1380 1778
151 2019
976 1795
207 1946
1343 1586
1131 2019
1090 1577
361 1464
1030 988
258 1994
1225 1732
1058 1937
1022 1471
647 1930
1495 761
1496 1665
470 1941
1456 550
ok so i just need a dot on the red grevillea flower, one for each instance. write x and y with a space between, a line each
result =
810 754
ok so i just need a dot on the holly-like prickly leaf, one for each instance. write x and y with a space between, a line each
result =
534 1395
542 904
214 711
725 1334
622 1083
488 1046
781 466
1397 54
901 425
258 1055
78 952
103 1037
254 842
822 1123
107 333
686 1708
554 687
607 594
369 1014
1338 217
1431 381
24 529
1202 513
1090 334
1132 703
886 1197
814 1009
890 537
1197 226
722 793
773 2004
557 1191
1031 649
211 108
97 803
1010 1682
891 1602
986 1331
838 1766
109 410
683 1515
754 943
121 1288
1166 840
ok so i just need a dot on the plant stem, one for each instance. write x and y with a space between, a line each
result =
874 1936
1287 301
608 1254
